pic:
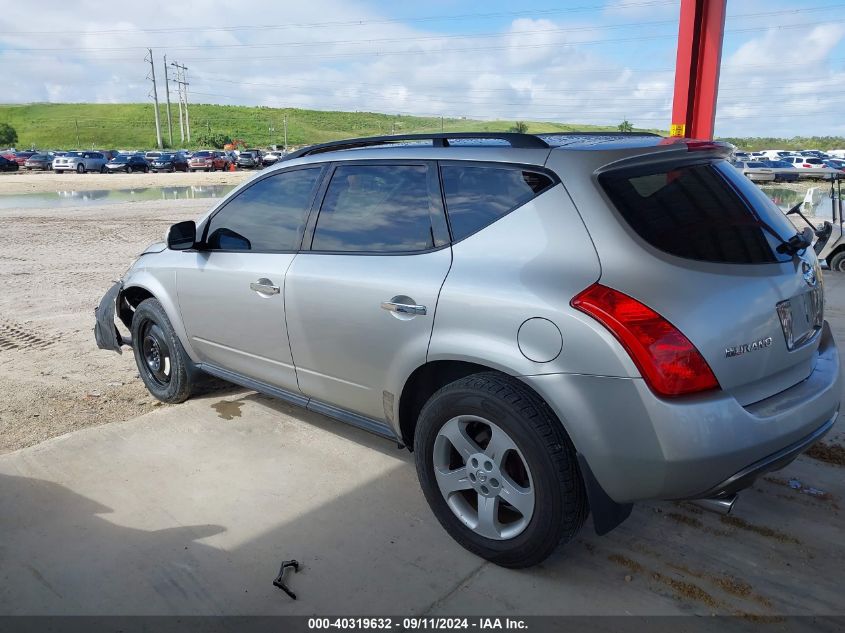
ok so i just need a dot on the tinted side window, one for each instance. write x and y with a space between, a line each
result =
375 209
706 212
268 216
478 196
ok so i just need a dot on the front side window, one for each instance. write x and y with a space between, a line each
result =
477 196
268 216
375 209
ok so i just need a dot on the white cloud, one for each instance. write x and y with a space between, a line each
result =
541 69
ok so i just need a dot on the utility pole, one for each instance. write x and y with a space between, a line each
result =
178 83
167 90
152 77
182 76
77 132
286 134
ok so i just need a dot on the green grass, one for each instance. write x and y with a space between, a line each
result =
131 125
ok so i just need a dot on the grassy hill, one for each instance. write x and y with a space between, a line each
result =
132 125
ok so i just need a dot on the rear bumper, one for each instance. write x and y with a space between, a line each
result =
780 459
643 447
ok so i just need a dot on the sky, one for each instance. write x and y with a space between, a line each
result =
572 61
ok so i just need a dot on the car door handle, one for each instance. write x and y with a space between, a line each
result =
264 286
403 308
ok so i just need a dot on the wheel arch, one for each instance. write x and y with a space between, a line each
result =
141 286
426 379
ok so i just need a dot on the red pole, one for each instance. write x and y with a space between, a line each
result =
700 34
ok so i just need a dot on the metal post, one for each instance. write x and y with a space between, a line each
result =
155 98
286 134
179 89
167 91
187 118
700 35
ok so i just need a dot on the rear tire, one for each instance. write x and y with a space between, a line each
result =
512 448
837 262
162 362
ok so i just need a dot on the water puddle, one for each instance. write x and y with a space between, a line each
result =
111 196
817 203
228 409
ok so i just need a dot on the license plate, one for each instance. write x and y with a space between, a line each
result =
801 317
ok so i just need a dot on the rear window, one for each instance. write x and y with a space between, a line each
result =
706 212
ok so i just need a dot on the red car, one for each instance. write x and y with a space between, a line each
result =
208 160
21 157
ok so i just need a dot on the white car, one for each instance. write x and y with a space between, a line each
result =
809 166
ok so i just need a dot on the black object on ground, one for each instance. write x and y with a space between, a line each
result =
280 579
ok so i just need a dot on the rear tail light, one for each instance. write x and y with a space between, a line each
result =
670 364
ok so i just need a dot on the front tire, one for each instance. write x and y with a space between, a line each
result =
80 169
837 262
498 470
162 362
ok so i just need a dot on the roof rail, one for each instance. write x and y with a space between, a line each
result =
516 140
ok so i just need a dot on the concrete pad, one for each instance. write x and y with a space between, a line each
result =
190 510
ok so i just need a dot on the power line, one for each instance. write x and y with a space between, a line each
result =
361 22
468 36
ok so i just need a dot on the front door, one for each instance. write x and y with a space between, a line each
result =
232 297
361 303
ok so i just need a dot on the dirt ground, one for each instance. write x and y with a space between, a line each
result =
55 264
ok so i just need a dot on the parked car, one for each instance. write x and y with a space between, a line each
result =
554 325
21 157
756 170
208 160
835 163
80 162
42 162
128 163
249 159
8 165
809 166
784 171
170 162
271 157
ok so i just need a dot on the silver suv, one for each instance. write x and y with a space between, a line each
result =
554 325
81 162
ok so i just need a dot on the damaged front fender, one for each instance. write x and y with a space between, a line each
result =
105 331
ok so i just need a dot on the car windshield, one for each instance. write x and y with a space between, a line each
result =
203 154
120 159
755 163
38 157
76 154
166 157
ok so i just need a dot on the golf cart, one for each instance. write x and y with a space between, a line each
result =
830 240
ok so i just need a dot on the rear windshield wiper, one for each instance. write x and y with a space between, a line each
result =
797 243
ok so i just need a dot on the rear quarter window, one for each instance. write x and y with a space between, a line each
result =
706 212
478 195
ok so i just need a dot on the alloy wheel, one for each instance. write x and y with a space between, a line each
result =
483 477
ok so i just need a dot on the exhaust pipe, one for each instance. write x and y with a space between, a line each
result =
719 505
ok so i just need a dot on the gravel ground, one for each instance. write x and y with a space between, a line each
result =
55 265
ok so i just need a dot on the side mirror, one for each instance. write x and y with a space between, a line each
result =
182 236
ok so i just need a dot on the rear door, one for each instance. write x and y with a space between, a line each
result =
697 254
360 304
231 295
